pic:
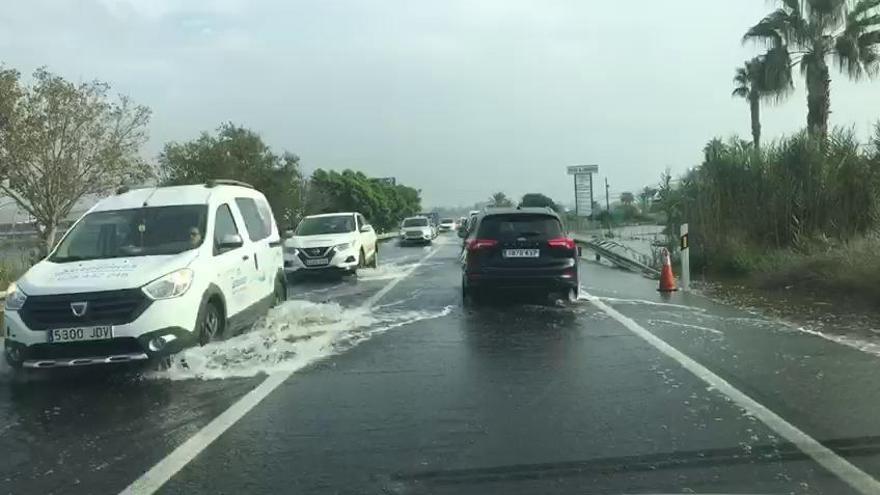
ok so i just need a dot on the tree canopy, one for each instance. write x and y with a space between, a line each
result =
500 199
383 204
61 141
237 153
537 200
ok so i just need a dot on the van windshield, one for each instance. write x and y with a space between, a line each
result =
339 224
153 230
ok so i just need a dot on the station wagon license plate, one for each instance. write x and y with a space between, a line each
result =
318 262
80 334
522 253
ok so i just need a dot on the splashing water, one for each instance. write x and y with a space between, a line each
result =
293 335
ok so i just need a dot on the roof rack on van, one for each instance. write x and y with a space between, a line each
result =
124 189
227 182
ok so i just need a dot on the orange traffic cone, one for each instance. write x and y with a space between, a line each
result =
667 279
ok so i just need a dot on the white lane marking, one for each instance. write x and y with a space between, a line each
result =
159 474
688 325
853 476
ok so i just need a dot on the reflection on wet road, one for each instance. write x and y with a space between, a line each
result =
394 387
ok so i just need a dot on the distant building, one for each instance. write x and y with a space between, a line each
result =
388 181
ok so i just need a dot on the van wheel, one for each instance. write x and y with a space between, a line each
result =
374 263
210 324
163 363
280 293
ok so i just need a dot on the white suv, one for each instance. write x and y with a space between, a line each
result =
145 273
341 242
416 229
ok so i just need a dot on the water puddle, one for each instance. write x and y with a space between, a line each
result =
389 271
293 335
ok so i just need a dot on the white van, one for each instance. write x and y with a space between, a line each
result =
145 273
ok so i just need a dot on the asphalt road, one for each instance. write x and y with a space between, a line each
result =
386 384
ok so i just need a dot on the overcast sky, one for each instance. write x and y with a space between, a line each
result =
459 98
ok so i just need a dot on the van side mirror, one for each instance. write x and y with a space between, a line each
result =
366 228
287 234
230 241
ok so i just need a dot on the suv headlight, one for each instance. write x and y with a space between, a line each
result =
291 251
174 284
15 298
343 246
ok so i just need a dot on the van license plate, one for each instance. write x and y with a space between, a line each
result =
80 334
318 262
522 253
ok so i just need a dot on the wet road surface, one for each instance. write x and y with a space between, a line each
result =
393 387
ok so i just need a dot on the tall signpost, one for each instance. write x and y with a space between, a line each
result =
583 188
685 257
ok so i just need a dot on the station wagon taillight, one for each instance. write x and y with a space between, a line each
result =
477 244
562 242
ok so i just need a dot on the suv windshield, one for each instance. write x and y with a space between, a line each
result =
415 222
516 225
326 225
154 230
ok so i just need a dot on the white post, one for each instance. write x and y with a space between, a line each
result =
684 245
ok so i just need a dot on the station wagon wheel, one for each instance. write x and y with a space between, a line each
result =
210 325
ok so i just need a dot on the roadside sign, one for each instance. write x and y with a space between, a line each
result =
583 188
583 169
583 194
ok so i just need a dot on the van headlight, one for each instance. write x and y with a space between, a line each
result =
174 284
15 298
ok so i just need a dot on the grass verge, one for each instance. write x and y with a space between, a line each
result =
847 271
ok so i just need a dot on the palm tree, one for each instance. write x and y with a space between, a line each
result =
752 85
807 33
627 198
500 199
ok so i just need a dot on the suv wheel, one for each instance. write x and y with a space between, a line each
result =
374 263
210 324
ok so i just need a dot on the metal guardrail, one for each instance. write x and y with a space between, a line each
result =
618 254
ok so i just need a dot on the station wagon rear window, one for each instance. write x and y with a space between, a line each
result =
519 225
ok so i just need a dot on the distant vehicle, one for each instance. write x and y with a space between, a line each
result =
447 224
416 230
434 219
341 242
467 225
145 273
519 249
433 216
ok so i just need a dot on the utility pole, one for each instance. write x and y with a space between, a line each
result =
607 207
607 204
